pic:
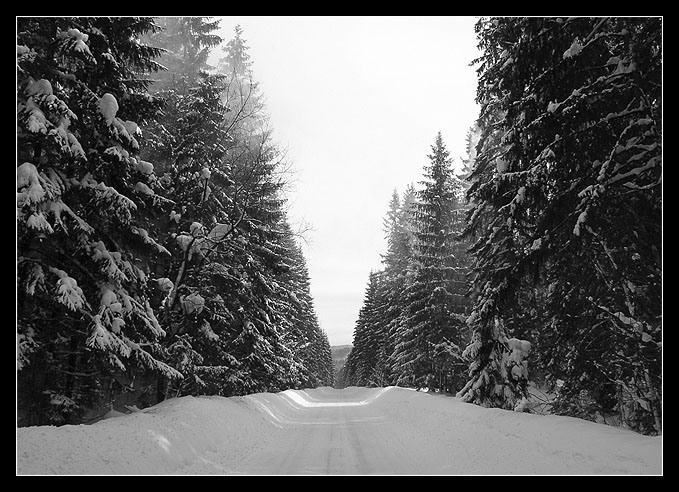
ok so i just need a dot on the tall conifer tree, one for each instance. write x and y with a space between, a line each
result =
85 204
429 337
188 144
567 212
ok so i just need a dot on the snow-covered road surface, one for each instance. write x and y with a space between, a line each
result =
335 433
325 431
399 431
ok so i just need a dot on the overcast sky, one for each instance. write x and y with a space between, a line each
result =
357 102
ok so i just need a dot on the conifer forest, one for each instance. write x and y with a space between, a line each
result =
155 257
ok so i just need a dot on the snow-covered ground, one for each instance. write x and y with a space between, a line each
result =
329 431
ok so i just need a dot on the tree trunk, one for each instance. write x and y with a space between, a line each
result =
161 388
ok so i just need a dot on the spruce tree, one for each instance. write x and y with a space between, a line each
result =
259 255
188 145
567 212
85 204
296 317
241 94
431 331
326 368
187 43
397 261
368 357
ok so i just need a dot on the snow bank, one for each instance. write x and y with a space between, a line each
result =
215 435
497 441
188 435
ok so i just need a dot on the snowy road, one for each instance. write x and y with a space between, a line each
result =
324 431
397 431
340 435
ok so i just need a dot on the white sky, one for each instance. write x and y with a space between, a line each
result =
357 103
